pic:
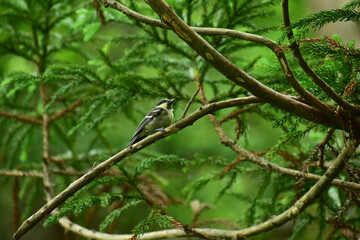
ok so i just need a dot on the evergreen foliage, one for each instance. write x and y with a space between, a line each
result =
93 81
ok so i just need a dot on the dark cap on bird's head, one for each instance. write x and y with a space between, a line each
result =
166 103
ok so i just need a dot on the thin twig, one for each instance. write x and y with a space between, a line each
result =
17 173
232 114
189 103
65 111
22 118
99 12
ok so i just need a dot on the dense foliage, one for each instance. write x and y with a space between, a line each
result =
76 79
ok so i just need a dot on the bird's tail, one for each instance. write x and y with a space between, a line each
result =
134 140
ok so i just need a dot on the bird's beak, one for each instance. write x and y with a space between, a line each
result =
171 101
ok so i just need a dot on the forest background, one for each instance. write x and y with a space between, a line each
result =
76 77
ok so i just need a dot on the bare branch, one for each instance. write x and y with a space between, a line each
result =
17 173
22 118
66 110
99 12
189 103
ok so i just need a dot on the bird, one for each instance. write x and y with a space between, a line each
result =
160 117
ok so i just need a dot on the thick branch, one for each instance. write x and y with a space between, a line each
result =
235 74
327 109
96 171
22 118
307 69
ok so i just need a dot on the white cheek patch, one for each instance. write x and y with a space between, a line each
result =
148 116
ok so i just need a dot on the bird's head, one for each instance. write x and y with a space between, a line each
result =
165 103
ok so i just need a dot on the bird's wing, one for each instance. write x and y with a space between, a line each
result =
148 118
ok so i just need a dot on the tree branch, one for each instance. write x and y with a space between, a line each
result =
240 77
97 170
65 111
189 103
22 118
327 109
307 69
272 166
48 185
272 223
17 173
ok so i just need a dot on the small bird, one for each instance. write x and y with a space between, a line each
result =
160 117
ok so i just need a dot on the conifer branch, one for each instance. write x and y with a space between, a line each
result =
66 110
22 118
272 223
278 50
307 69
303 202
17 173
97 170
254 158
241 78
248 156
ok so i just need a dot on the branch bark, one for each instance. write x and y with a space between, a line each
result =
17 173
65 111
22 118
48 185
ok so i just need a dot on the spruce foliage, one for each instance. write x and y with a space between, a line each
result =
91 79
